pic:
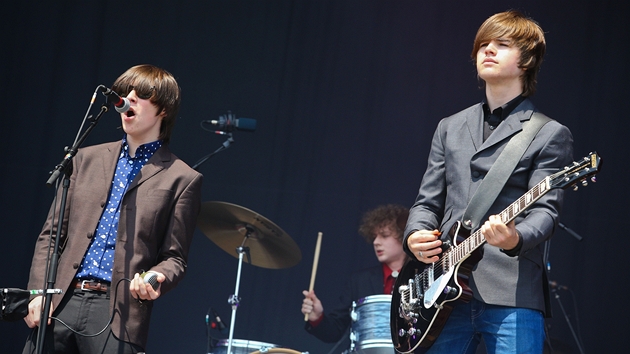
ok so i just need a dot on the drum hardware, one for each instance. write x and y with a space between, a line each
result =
231 227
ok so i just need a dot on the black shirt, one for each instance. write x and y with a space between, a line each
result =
492 119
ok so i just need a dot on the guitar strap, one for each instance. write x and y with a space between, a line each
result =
502 168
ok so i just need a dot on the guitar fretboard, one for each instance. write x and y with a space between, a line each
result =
458 253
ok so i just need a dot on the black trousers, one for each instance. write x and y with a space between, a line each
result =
86 312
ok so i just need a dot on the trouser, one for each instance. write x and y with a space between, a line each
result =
503 329
86 312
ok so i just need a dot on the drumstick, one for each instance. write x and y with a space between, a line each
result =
314 270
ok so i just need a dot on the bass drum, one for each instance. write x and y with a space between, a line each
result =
370 332
242 346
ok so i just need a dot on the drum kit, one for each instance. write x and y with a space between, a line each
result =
244 233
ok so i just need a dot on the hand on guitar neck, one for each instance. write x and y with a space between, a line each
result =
500 235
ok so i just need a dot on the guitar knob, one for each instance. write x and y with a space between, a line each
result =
450 291
402 332
413 331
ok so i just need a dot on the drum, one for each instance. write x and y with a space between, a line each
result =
242 346
370 332
279 351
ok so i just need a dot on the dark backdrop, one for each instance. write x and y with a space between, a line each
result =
347 95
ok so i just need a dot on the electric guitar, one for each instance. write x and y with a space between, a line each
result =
427 293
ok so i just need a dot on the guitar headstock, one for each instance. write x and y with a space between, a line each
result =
578 171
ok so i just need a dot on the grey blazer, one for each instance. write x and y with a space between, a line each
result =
458 161
158 217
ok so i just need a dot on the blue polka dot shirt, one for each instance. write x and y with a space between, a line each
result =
98 261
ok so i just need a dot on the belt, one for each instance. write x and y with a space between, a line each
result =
90 285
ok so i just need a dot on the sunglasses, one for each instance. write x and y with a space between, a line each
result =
143 89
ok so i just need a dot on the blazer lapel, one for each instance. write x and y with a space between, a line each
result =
109 160
511 125
155 164
474 121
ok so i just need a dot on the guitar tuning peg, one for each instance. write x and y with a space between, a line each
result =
575 187
584 182
593 179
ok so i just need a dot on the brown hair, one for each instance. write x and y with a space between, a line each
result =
156 85
384 215
527 36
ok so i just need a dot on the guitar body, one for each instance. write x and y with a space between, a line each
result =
429 321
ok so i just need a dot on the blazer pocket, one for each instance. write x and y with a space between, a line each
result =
160 194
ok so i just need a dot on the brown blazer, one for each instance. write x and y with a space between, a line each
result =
157 220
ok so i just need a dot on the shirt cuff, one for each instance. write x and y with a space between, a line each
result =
317 321
516 250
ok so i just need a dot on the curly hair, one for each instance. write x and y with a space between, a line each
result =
384 215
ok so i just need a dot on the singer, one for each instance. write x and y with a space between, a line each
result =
132 207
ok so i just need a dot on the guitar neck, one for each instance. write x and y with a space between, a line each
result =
476 239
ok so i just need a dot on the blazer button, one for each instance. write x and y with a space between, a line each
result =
90 235
75 266
102 204
476 174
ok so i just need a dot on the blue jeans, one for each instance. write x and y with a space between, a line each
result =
503 329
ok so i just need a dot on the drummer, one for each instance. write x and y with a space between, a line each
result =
383 227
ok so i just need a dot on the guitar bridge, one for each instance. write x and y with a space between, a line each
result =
410 297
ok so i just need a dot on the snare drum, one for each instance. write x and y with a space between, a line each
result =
370 332
242 346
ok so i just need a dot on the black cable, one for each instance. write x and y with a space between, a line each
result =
108 322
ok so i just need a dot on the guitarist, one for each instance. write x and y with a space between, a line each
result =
509 282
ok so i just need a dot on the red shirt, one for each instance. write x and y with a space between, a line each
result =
389 279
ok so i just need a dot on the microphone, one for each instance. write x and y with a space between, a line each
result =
217 323
121 104
228 123
151 278
554 285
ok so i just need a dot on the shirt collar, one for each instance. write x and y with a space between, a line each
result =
143 151
387 271
503 111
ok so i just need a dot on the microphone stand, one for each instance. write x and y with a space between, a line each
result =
554 290
224 146
564 313
54 259
571 232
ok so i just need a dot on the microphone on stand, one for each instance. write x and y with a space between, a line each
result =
121 104
229 123
216 323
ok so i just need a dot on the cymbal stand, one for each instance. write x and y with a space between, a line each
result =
234 300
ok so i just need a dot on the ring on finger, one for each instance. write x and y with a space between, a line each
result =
420 254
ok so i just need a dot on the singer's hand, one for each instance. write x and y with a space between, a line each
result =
140 290
311 306
35 311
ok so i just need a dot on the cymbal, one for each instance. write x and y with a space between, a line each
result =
229 226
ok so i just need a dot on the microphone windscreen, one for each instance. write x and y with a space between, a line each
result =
247 124
151 278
